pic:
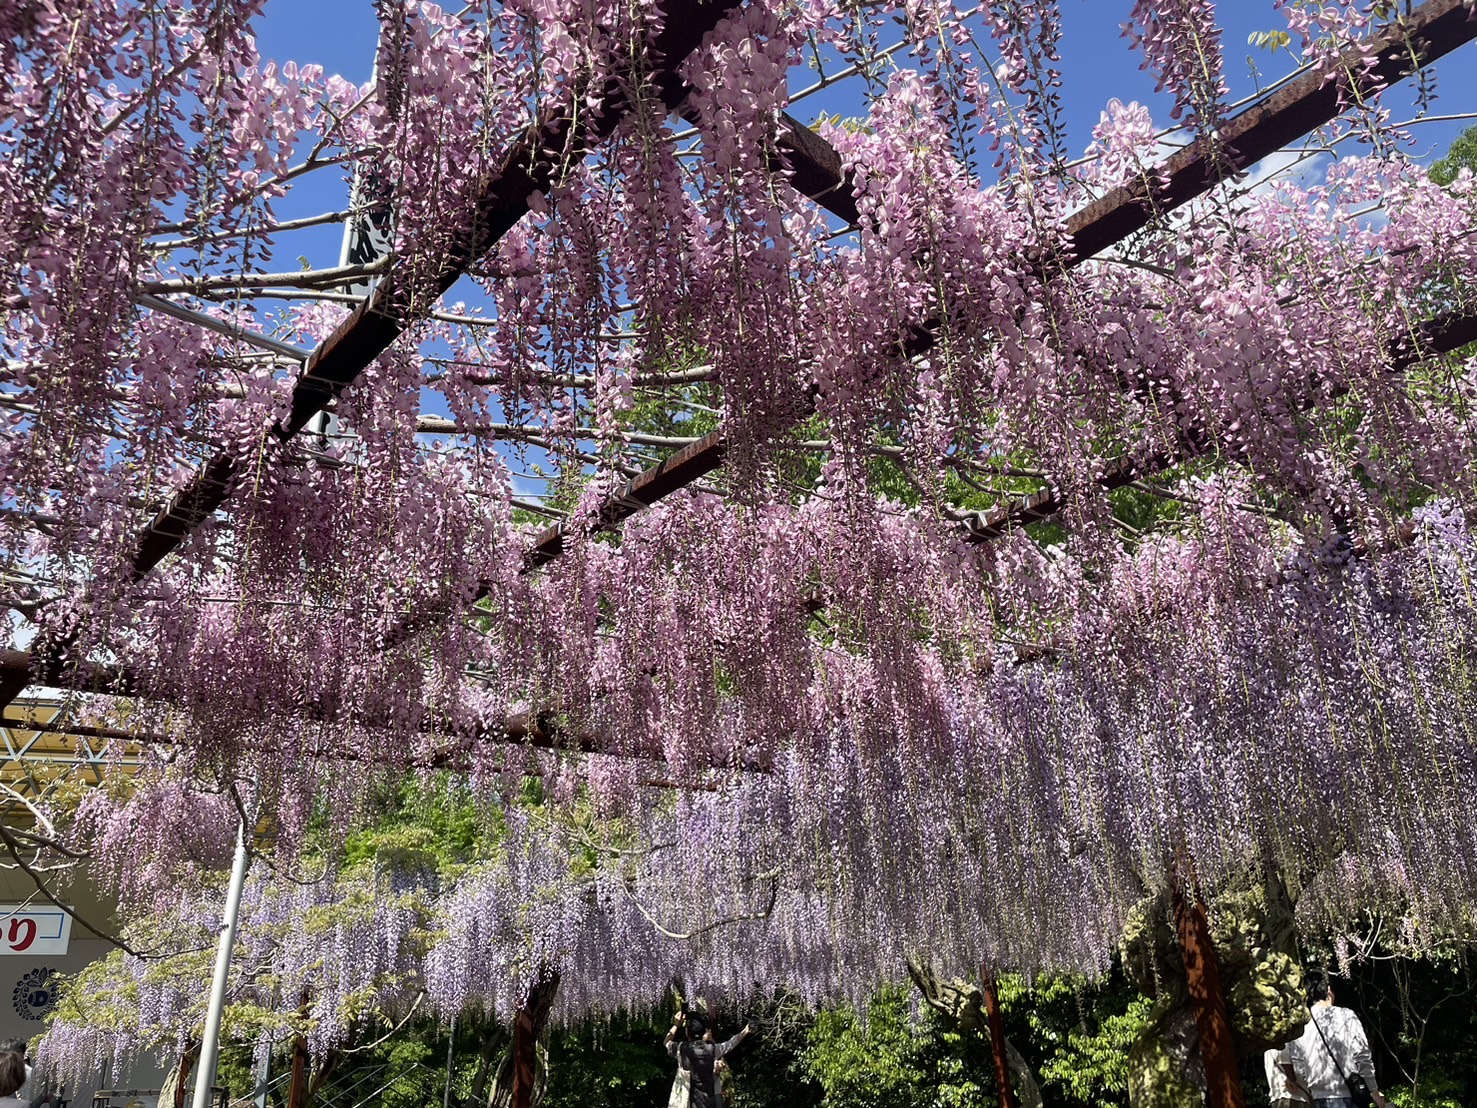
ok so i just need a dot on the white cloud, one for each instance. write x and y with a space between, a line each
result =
1300 167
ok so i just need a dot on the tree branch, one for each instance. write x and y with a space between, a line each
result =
8 837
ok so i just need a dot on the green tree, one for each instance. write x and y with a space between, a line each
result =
1076 1033
1461 155
888 1057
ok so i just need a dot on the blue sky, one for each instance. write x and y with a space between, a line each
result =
1097 64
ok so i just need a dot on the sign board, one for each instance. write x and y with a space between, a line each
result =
34 930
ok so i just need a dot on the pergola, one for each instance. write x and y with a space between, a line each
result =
405 296
813 167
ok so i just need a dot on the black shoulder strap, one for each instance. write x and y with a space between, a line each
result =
1344 1077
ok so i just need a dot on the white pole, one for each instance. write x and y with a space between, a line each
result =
210 1039
450 1042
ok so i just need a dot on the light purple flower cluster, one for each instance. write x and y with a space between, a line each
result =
1181 42
870 734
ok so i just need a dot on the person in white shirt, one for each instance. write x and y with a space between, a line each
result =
1282 1087
1332 1048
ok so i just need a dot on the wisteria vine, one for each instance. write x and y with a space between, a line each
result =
793 690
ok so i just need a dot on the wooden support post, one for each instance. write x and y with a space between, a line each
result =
525 1058
182 1073
997 1041
528 1025
1207 999
297 1094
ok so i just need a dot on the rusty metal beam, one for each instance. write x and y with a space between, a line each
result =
1432 31
1441 335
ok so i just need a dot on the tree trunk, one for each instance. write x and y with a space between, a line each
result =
963 1004
493 1037
523 1076
527 1029
297 1096
297 1089
325 1071
1207 999
997 1041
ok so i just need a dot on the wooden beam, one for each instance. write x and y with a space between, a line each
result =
297 1090
1433 30
561 136
19 669
683 468
814 168
812 165
1301 106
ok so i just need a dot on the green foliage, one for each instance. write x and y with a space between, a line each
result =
423 824
852 125
613 1063
891 1059
771 1070
1076 1034
1461 155
1272 41
1441 1091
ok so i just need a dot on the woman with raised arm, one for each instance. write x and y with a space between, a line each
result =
697 1057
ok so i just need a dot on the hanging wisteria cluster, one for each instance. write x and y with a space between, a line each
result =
958 805
832 724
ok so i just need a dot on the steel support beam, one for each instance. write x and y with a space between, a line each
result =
1431 339
1301 106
